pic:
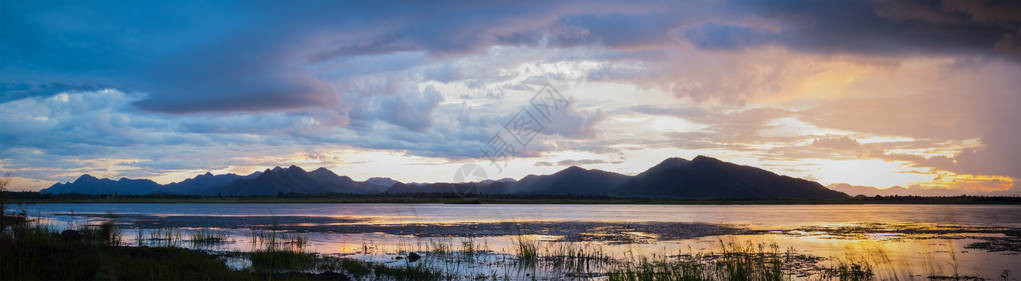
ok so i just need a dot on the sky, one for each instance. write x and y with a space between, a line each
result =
914 94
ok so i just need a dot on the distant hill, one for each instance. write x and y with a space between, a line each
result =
203 184
488 187
573 180
295 180
382 183
702 178
854 190
705 178
87 184
869 191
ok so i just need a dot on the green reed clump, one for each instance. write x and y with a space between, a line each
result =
645 269
206 235
357 269
575 258
468 247
274 250
408 272
736 262
32 251
109 232
440 247
527 249
282 259
854 271
163 236
273 239
751 262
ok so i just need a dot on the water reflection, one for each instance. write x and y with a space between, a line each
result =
903 242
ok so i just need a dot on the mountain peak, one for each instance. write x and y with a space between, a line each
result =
295 168
707 178
322 172
669 163
382 181
86 177
87 184
572 170
703 158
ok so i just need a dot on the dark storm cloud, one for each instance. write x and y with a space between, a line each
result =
195 57
880 27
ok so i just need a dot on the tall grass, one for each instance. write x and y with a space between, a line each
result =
526 249
163 236
736 262
440 247
275 250
575 258
33 251
468 247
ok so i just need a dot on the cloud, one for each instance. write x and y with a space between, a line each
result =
571 123
571 162
937 116
872 27
580 162
410 108
146 83
201 57
836 142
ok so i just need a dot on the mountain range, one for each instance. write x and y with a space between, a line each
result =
702 178
869 191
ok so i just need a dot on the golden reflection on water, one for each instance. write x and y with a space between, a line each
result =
897 247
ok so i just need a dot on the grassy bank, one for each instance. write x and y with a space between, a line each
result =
30 251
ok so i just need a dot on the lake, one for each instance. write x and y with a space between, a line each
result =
904 241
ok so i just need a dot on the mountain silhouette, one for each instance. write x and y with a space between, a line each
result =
382 182
706 178
87 184
487 187
293 179
203 184
573 180
702 178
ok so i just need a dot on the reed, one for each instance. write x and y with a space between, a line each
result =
526 249
206 237
736 262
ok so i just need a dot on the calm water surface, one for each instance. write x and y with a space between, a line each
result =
921 254
754 215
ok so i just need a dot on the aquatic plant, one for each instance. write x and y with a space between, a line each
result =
408 272
736 262
164 236
206 237
440 247
274 240
468 247
527 249
33 251
574 258
282 260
